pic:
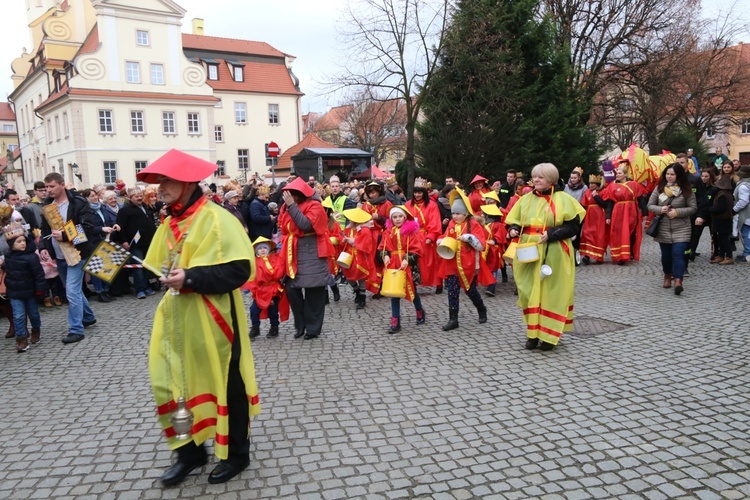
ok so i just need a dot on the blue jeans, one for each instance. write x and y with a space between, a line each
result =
78 307
100 286
745 232
673 258
273 312
22 307
140 280
396 306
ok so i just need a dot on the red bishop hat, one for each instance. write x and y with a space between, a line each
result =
178 166
477 178
299 185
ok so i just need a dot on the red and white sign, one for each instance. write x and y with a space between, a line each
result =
273 150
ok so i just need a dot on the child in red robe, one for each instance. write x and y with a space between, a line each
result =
357 241
267 288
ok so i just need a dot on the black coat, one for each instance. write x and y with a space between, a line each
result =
260 222
132 220
79 211
24 274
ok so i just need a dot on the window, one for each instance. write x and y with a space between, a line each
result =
273 114
168 124
141 37
12 147
710 131
8 127
240 112
399 155
49 131
219 133
157 74
745 127
57 127
140 165
136 122
193 123
133 72
221 168
213 72
66 125
238 73
243 159
110 172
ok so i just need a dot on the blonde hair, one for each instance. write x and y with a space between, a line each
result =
548 171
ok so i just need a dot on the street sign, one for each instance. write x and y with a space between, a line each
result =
273 150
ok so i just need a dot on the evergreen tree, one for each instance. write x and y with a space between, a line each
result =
501 98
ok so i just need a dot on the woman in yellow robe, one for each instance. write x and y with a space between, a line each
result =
548 218
200 346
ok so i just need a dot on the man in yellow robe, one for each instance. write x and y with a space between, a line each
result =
200 348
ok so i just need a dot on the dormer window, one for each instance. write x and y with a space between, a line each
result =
238 70
213 71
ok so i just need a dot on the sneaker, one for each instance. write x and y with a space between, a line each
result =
742 259
686 273
72 338
22 344
140 295
149 292
87 324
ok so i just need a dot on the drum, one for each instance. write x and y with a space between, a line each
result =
510 252
527 252
447 248
345 260
394 283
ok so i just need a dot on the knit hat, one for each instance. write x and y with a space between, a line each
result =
261 241
400 209
744 172
459 201
231 194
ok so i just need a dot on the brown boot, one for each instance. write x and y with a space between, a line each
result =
36 333
677 286
22 344
7 311
727 261
47 302
667 281
716 260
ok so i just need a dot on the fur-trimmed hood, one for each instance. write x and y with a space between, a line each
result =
407 228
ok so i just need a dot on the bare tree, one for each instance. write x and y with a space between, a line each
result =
376 125
392 49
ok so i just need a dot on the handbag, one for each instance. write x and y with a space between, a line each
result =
653 226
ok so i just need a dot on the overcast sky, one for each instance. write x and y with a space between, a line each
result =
303 28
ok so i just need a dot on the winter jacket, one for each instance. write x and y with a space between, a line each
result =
24 273
79 211
133 220
679 229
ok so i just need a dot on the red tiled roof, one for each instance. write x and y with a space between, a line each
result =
6 112
65 90
231 45
332 120
258 77
309 141
91 43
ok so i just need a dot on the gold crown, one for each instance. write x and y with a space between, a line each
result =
420 183
263 190
13 230
595 178
579 170
391 181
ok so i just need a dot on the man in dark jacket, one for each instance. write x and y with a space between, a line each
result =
261 221
507 188
72 208
137 229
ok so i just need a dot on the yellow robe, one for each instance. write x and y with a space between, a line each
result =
547 304
203 326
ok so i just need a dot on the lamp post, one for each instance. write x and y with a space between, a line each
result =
76 171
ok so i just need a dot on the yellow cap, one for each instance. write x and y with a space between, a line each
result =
356 215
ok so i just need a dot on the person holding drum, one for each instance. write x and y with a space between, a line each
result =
357 257
544 263
401 247
460 247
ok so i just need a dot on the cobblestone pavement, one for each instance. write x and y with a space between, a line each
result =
655 406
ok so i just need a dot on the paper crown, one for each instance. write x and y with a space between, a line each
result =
595 178
263 190
391 181
12 231
579 170
420 183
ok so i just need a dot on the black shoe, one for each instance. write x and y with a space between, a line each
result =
586 260
438 290
72 338
273 332
309 336
490 291
328 300
395 325
546 346
531 344
421 317
226 470
104 298
336 294
87 324
377 296
254 331
300 333
111 299
361 304
482 314
180 470
450 325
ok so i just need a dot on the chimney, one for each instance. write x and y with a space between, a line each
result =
198 26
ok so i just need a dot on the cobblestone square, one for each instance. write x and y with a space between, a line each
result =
657 407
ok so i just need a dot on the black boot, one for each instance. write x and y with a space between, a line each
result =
361 300
273 332
504 273
482 310
254 331
490 291
439 289
103 297
188 460
421 318
336 293
452 323
395 325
